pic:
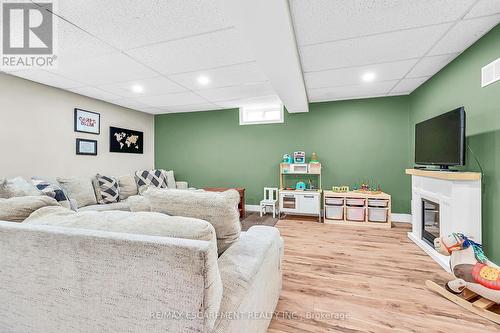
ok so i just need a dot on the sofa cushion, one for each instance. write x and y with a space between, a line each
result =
51 190
143 223
17 187
106 189
128 186
122 206
220 209
153 178
17 209
80 189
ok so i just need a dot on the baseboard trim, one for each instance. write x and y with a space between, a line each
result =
401 218
252 208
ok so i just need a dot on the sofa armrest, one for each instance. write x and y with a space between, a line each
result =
182 185
252 277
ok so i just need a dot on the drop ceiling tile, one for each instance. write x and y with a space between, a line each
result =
193 54
152 86
347 92
106 69
74 45
408 85
429 66
464 34
183 98
95 93
131 23
329 20
50 79
130 103
352 75
253 102
237 92
484 7
190 108
150 110
373 49
222 77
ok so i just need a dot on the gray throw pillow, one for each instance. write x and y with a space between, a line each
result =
128 186
151 178
106 189
79 189
51 190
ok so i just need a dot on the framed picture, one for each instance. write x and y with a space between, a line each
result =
86 147
87 121
123 140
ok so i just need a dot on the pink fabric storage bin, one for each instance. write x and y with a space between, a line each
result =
378 202
335 201
355 214
355 202
335 212
377 214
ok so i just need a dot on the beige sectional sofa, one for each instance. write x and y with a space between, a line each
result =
135 268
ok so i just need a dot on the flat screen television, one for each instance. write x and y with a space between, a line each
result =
440 141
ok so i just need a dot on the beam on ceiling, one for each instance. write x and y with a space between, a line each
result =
267 26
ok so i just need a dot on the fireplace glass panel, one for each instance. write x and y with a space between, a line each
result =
430 221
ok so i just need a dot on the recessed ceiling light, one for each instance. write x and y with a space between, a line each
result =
203 80
137 88
369 77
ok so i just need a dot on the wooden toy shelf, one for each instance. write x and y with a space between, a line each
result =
357 209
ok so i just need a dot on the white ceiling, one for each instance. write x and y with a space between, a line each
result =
404 42
106 47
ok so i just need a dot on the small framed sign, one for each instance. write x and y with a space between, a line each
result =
86 147
87 121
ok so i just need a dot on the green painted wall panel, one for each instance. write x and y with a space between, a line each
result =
355 140
459 84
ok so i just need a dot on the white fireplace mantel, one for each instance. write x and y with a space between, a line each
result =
459 197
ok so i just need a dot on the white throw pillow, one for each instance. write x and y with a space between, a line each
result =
17 209
170 179
79 189
17 187
128 186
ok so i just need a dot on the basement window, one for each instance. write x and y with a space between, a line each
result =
261 115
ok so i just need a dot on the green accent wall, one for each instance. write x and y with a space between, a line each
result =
355 140
459 84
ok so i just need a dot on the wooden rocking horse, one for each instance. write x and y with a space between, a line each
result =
477 284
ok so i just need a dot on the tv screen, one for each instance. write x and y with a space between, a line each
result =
441 140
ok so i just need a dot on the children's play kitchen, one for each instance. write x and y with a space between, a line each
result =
300 185
300 194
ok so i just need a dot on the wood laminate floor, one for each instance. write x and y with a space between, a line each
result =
354 279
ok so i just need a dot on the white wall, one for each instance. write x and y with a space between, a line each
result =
37 135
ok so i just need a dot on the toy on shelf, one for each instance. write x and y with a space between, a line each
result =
476 286
287 159
365 187
314 158
340 189
300 186
299 157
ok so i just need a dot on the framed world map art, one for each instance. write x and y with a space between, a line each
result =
123 140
